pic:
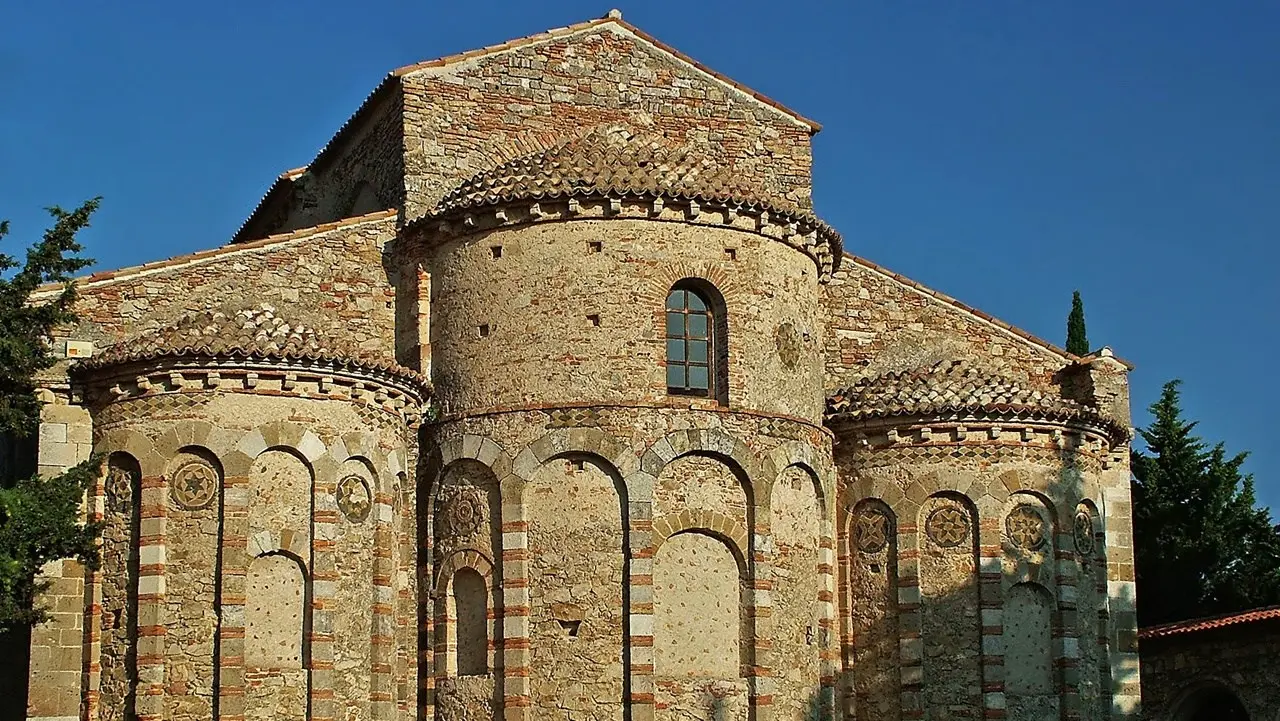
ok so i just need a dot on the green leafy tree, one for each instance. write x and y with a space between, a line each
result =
41 519
1077 339
1202 545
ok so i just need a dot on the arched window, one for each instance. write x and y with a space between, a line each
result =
696 353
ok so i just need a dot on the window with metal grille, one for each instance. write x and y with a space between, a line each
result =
690 343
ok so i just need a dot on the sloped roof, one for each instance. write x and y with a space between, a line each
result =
392 79
615 161
611 159
1204 624
952 386
251 333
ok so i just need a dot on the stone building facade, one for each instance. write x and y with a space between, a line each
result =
1224 668
542 393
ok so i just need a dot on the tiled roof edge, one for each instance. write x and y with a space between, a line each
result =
282 181
109 276
1175 628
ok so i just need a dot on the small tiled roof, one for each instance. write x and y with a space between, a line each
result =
608 159
1204 624
951 386
614 160
251 333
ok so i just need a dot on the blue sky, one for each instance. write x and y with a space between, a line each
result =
1004 153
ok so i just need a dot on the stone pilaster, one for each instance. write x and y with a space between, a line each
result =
231 628
151 599
324 586
640 599
382 647
1066 632
759 603
62 681
516 698
829 664
991 608
910 638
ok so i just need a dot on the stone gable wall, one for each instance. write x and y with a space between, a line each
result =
362 171
877 324
474 115
332 280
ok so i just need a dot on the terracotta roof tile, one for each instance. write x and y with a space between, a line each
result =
953 386
615 160
948 385
1203 624
607 159
251 333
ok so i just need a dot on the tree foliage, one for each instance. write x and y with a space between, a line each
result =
41 519
1077 339
1202 546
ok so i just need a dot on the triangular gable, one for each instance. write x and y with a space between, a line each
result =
612 22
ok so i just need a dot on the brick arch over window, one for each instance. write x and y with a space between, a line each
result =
696 332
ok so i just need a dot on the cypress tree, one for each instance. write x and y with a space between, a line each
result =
1077 339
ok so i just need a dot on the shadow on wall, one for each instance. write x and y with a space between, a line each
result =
1007 610
15 648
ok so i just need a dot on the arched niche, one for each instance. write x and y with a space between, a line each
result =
121 535
576 505
277 617
465 526
950 606
871 600
797 614
276 612
701 635
193 480
469 604
1028 649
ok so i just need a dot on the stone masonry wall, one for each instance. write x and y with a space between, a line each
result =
1243 659
552 319
879 322
672 509
331 278
988 621
470 115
